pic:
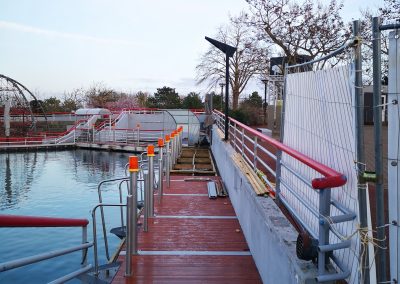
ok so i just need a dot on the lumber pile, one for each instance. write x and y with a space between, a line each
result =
256 183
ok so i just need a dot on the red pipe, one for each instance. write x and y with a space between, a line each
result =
331 177
33 221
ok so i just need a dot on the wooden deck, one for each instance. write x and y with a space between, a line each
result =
192 239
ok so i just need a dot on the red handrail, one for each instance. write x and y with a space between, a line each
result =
331 177
33 221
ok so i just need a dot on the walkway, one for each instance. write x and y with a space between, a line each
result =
192 239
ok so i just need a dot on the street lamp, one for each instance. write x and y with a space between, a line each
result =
222 93
229 51
265 81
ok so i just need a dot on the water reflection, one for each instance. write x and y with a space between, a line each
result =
17 176
21 170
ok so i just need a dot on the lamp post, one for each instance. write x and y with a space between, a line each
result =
229 51
265 81
222 93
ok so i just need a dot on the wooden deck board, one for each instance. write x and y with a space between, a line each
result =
196 224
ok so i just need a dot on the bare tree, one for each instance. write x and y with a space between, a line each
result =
249 59
389 12
73 100
141 98
306 28
99 95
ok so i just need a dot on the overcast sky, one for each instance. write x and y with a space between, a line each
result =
55 46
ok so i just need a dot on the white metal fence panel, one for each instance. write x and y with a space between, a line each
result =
319 121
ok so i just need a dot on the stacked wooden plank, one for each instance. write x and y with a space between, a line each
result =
257 184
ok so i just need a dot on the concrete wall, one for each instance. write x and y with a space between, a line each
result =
271 238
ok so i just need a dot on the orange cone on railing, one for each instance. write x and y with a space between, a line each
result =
133 163
150 151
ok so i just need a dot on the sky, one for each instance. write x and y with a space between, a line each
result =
53 47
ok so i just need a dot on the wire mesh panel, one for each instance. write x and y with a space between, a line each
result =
319 121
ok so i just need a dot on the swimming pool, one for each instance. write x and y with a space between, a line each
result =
55 184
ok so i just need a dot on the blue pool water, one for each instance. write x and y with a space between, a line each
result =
55 184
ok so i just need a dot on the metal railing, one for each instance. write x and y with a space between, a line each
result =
29 221
253 146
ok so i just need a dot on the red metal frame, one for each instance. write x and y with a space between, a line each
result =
34 221
331 177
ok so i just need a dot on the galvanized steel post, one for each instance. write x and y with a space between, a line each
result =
394 153
176 137
323 232
132 205
146 200
130 238
255 153
380 214
150 160
84 251
171 162
167 162
160 166
359 109
93 127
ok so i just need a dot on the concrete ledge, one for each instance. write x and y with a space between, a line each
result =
270 236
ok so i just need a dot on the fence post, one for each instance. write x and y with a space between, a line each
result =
359 111
167 162
380 215
393 152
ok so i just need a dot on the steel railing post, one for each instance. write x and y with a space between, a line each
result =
176 140
146 200
84 241
160 166
129 235
242 142
93 133
171 162
255 153
150 160
234 136
132 206
323 233
167 162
